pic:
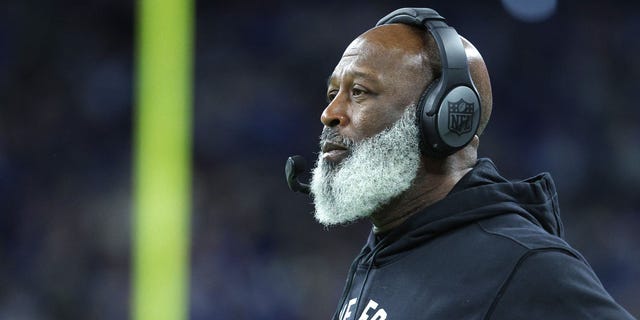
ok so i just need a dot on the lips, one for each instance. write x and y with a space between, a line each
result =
333 151
331 146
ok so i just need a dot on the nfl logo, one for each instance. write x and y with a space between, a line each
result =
460 116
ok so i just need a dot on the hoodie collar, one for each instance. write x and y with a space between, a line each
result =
482 193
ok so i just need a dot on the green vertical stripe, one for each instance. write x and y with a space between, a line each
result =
162 160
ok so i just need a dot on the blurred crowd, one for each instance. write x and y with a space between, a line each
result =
564 89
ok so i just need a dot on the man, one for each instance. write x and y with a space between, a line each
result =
451 238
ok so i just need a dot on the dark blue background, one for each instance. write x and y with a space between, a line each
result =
565 101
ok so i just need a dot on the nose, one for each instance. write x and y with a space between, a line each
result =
335 114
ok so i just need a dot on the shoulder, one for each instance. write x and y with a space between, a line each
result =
524 233
552 283
548 279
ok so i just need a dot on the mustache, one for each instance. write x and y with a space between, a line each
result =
331 135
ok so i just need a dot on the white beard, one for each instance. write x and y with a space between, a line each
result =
379 169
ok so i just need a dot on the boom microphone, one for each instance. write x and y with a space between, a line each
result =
296 165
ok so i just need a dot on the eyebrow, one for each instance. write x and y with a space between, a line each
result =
356 74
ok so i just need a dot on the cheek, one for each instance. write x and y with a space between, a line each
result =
368 123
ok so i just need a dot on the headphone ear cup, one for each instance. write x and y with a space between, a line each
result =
446 129
458 118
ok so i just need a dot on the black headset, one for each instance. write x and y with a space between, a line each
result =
449 109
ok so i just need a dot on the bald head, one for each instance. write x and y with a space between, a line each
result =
420 46
480 77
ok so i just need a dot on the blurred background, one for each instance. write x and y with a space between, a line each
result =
565 81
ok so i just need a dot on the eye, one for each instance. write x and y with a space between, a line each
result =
358 91
331 95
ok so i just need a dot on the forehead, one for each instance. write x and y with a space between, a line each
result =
376 61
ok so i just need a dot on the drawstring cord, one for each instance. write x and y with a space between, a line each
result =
366 275
352 274
347 287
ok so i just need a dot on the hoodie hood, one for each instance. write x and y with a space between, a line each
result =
482 193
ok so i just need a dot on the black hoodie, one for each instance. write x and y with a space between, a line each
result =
491 249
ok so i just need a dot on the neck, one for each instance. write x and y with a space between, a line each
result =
434 181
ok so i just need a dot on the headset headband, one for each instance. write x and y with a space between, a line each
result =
455 70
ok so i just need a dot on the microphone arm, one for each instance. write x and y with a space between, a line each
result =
296 165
